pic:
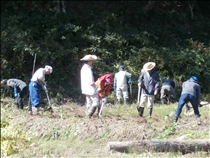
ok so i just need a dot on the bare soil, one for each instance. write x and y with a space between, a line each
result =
118 127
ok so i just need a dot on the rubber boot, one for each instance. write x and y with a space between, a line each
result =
167 100
17 105
176 118
87 109
30 109
18 102
99 108
150 112
91 111
21 106
162 101
126 101
119 101
173 100
140 111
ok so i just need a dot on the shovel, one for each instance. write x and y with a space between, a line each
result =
102 104
130 89
139 94
48 99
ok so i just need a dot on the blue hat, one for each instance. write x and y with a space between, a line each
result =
194 78
121 67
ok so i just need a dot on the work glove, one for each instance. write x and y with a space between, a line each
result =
114 89
15 94
44 89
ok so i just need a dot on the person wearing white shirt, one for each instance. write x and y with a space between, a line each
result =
88 86
37 81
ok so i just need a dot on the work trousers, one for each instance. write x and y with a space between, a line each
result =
92 101
19 99
149 99
34 94
122 92
187 98
167 91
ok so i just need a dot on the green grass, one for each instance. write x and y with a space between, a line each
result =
73 139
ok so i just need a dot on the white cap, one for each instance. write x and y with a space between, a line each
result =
89 57
49 67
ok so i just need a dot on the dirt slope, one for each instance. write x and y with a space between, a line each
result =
118 127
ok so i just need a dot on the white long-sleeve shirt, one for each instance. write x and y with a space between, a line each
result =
39 76
87 80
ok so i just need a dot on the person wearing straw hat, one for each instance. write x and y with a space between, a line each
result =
150 88
121 81
37 81
88 85
19 88
191 92
104 85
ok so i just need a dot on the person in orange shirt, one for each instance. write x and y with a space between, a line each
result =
104 84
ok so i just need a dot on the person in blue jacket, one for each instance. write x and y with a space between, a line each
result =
190 93
19 88
150 88
167 91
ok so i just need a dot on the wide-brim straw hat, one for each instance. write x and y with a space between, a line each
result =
149 66
89 58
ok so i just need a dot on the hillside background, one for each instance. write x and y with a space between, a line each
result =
174 34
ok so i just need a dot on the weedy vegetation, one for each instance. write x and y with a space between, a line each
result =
75 135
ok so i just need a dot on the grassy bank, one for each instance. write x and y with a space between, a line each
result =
69 133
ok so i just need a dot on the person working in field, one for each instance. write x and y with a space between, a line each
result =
121 81
104 84
19 89
37 81
167 91
191 92
151 84
88 85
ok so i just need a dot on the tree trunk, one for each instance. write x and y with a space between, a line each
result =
59 6
183 146
191 6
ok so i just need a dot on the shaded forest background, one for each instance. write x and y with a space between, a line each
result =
174 34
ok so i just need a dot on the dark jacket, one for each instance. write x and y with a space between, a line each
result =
150 84
16 84
169 83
